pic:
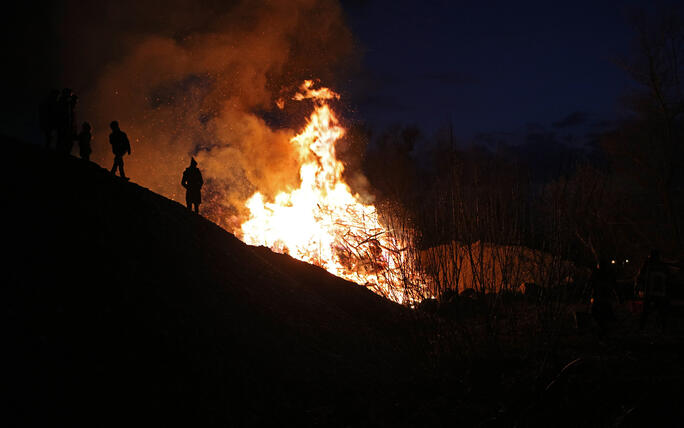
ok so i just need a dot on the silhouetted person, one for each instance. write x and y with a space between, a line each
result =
66 121
192 181
603 284
49 116
652 283
120 146
84 138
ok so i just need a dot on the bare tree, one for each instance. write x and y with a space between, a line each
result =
648 147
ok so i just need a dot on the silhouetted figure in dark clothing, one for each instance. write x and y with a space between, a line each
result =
603 284
84 138
49 117
652 284
192 181
120 146
66 121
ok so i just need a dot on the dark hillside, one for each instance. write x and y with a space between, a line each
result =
122 307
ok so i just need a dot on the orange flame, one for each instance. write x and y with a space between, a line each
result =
322 222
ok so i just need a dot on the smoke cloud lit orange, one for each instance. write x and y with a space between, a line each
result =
198 84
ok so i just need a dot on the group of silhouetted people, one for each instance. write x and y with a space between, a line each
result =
58 124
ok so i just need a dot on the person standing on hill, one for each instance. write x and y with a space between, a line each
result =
120 146
192 181
84 138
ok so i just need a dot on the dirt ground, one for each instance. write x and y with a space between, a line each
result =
122 308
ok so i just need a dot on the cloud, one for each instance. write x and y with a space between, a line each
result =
603 124
534 127
193 77
573 119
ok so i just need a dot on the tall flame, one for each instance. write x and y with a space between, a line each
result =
322 222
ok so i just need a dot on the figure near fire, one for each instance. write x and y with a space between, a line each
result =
120 146
192 181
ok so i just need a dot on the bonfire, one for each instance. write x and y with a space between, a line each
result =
322 221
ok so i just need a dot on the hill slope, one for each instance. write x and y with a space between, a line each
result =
121 305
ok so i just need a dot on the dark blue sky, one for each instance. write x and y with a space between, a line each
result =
492 67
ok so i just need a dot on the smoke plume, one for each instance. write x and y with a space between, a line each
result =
201 78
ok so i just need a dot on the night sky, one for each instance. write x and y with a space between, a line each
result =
503 68
495 70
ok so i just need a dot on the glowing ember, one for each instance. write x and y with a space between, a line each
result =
322 222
